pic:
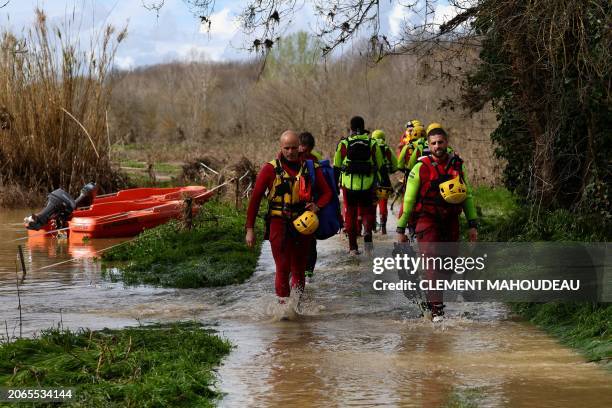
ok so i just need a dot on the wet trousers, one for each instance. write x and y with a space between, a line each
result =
290 250
358 203
430 231
312 256
382 208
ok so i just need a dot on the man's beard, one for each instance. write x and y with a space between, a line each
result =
439 154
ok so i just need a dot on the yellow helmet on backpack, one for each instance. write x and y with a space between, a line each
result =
378 134
307 223
453 191
434 126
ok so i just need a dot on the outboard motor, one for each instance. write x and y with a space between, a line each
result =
88 194
59 207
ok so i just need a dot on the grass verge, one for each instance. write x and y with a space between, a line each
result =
212 253
582 325
158 365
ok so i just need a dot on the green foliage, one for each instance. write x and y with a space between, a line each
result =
552 93
504 218
585 326
212 253
158 365
297 54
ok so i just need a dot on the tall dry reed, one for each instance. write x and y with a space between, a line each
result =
54 95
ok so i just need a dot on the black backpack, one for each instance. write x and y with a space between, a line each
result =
358 157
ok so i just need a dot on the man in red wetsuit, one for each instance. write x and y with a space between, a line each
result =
289 194
437 192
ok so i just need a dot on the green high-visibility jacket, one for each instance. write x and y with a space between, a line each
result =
388 157
358 182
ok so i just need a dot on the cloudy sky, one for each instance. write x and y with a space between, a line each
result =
174 34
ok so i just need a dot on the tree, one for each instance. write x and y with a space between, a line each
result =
544 64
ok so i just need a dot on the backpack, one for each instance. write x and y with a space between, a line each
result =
330 220
358 156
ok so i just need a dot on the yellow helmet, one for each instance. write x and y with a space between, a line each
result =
453 191
307 223
417 132
412 123
378 134
433 126
383 193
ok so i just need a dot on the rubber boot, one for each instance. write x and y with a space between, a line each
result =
383 226
437 312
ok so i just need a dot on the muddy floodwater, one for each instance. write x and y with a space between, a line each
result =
346 348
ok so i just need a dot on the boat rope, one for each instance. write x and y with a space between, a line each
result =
76 259
40 234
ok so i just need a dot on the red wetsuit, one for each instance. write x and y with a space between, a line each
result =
358 203
290 249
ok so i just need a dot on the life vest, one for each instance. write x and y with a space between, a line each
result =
289 194
429 199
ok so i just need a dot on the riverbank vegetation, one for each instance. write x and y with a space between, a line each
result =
211 253
54 105
100 118
585 326
156 365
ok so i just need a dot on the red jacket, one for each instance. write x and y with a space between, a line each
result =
265 180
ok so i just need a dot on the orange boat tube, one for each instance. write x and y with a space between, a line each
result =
130 223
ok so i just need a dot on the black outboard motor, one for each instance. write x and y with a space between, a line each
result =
88 194
59 207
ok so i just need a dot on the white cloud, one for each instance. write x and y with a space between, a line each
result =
221 24
126 63
396 19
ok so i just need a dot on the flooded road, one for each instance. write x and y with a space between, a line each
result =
349 347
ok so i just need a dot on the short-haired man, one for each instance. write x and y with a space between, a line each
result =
357 161
289 193
437 192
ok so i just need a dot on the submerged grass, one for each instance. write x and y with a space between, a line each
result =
212 253
582 325
157 365
465 398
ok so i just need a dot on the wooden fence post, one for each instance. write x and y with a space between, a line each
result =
23 267
188 215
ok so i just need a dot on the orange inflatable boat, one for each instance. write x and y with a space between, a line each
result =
129 223
121 214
